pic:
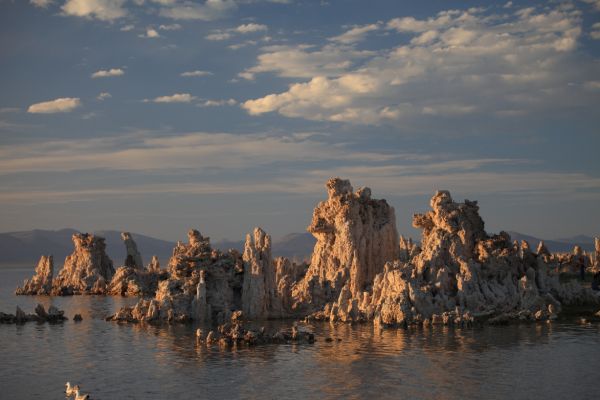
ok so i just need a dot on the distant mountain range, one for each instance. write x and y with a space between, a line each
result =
25 248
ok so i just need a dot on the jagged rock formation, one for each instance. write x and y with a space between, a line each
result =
259 289
87 270
53 315
356 236
133 258
41 282
132 279
154 265
207 286
202 284
461 275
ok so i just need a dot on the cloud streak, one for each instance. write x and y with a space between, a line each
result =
60 105
108 73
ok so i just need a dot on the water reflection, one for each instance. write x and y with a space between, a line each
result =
557 360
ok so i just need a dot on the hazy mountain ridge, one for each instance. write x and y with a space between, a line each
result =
24 248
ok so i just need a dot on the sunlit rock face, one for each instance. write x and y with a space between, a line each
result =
201 284
87 270
462 275
356 236
41 282
259 288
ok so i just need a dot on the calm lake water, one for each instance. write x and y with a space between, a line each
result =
529 361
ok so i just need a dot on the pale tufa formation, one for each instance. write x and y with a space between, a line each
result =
258 290
356 236
41 282
87 270
132 279
133 258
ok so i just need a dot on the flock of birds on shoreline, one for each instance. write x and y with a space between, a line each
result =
74 391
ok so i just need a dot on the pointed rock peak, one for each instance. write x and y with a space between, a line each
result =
338 187
542 249
440 199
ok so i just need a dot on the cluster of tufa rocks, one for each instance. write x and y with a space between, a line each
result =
360 270
89 270
52 315
235 333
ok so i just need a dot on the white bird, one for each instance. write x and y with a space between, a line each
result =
81 396
70 390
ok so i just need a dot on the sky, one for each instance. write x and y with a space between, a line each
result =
156 116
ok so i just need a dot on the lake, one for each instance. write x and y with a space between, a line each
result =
556 360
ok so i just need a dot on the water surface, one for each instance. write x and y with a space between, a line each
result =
529 361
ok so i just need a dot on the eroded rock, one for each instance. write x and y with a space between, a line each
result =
41 282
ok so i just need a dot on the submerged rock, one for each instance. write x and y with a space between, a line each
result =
53 315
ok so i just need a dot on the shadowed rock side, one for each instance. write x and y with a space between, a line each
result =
41 282
356 236
133 258
53 315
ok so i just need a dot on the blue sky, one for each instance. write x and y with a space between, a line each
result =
156 116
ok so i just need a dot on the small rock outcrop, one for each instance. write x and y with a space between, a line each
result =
356 235
154 265
133 258
53 315
87 270
41 282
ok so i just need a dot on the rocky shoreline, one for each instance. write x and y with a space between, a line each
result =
360 271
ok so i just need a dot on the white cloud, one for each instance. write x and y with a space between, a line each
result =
175 98
103 96
208 11
250 28
171 27
456 63
217 36
60 105
105 10
356 34
151 33
108 73
300 62
127 28
41 3
196 73
218 103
